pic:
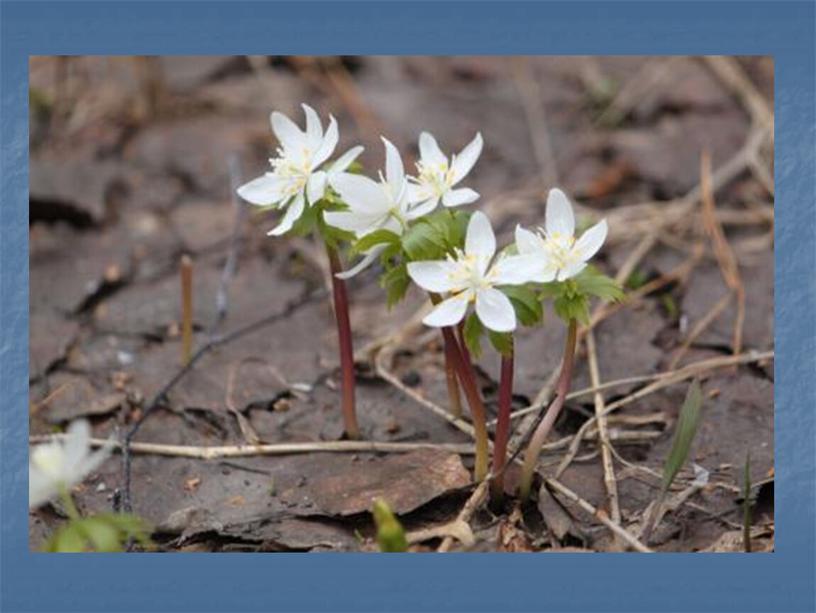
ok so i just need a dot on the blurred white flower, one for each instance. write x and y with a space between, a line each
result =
297 178
383 205
469 277
62 463
438 175
559 255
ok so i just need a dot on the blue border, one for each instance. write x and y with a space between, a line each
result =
782 581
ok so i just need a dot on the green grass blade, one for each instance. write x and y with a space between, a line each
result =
687 425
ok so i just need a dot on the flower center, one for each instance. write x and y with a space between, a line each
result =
437 178
294 172
560 248
468 273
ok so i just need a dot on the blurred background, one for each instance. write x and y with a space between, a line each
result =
133 161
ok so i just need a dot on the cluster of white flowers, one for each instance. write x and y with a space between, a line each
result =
396 200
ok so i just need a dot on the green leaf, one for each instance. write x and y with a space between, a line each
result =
687 425
390 533
472 332
424 241
378 237
105 532
395 281
570 306
501 341
67 539
593 282
525 302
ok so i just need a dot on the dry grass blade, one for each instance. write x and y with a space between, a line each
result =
722 250
531 98
247 451
610 482
598 514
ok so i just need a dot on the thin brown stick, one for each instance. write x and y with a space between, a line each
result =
699 328
603 435
474 502
598 514
186 275
697 369
246 451
531 100
734 77
722 250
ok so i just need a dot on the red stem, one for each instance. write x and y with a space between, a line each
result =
543 429
467 377
502 426
341 313
477 410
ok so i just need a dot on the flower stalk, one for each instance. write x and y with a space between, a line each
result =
464 370
341 313
543 428
502 427
477 410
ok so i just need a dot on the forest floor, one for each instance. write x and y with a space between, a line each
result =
133 163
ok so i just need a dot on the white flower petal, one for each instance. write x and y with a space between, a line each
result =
423 208
345 160
480 241
360 193
458 197
287 132
429 150
517 270
570 271
448 312
293 213
495 310
326 144
75 447
40 487
591 240
314 129
369 258
316 187
463 162
435 276
358 223
263 191
394 171
559 218
528 242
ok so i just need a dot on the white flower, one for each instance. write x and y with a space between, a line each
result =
62 463
375 205
296 178
438 176
559 255
469 277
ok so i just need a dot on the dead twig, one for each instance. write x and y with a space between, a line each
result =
264 449
531 100
598 514
722 250
603 435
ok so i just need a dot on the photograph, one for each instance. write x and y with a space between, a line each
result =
401 303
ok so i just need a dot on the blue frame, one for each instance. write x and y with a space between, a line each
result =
782 581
